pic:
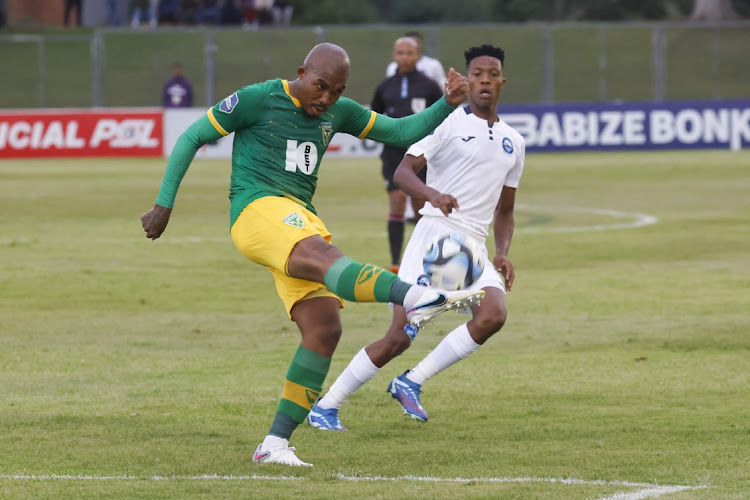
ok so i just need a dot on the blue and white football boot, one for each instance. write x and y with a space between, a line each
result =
407 393
325 419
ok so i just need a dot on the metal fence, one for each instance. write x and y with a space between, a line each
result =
544 62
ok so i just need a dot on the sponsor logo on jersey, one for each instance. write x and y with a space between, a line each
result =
228 104
294 220
507 145
468 138
327 129
418 104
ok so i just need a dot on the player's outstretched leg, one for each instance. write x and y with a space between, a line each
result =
423 304
407 393
357 282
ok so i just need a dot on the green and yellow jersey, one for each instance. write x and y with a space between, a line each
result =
278 147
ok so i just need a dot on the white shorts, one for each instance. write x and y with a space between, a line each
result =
426 230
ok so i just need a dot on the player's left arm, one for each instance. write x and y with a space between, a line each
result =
504 219
503 229
402 132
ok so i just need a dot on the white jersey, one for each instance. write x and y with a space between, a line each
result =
471 160
427 65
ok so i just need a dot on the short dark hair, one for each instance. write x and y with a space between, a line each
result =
485 50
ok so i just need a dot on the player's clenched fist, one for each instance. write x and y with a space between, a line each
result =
456 88
155 221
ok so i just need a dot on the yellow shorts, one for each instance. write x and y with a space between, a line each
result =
266 232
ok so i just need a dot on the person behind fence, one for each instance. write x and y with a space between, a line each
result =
178 92
403 94
281 131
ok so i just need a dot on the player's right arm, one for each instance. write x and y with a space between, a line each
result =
199 133
230 114
407 179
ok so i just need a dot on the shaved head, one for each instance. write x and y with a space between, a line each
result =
328 57
321 79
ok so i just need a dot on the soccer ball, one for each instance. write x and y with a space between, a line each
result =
453 261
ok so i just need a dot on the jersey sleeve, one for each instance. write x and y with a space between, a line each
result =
431 145
238 110
514 174
353 118
402 132
201 132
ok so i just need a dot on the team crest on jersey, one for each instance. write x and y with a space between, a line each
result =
294 220
327 129
507 146
418 104
228 104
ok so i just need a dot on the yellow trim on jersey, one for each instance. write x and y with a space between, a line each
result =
369 125
299 394
289 93
215 123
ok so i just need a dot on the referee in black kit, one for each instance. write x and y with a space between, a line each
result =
403 94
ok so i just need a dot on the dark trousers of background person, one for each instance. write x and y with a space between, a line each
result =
70 5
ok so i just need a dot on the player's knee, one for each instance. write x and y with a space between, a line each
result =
397 344
491 321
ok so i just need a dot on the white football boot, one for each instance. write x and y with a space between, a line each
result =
282 454
432 302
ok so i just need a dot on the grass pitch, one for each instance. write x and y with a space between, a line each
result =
132 368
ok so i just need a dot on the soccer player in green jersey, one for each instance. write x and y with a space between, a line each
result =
281 130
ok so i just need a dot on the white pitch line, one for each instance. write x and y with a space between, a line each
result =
648 490
639 220
77 477
525 479
649 493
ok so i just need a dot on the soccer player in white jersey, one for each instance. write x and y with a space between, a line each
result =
475 161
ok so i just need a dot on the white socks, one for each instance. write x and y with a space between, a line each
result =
360 370
456 346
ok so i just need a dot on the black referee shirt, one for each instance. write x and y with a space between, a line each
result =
404 95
